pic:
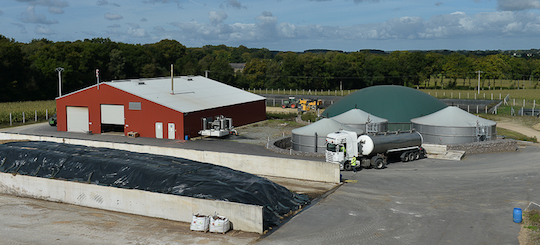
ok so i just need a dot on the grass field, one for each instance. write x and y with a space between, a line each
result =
30 108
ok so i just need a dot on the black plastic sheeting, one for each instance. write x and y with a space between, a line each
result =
156 173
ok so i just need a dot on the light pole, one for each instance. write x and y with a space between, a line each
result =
59 70
479 80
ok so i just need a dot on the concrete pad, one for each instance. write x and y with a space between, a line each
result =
313 189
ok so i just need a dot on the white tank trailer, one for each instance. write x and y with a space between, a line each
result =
371 151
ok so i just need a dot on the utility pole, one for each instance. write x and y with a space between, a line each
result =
479 80
59 70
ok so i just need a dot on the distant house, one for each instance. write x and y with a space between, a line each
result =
156 108
238 66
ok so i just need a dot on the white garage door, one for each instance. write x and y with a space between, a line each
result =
77 119
112 114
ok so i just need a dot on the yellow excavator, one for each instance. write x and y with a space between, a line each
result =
305 105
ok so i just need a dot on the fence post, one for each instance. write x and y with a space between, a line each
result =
468 109
315 141
523 102
10 122
476 109
23 117
491 96
35 116
47 114
514 102
486 109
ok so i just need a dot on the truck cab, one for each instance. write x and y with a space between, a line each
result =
341 147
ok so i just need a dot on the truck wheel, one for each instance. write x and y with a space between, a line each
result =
379 163
411 156
347 166
416 155
405 156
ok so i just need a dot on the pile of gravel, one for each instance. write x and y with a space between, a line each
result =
502 145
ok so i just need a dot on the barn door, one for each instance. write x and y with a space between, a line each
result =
77 119
159 130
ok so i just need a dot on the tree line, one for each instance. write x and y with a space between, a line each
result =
28 70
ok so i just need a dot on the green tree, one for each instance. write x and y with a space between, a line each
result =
116 64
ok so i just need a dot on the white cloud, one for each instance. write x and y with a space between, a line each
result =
517 5
43 30
55 6
105 2
30 16
233 4
22 28
110 16
217 17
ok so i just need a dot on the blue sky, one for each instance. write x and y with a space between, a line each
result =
285 25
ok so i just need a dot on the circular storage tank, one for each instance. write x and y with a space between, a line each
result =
454 126
397 104
359 119
312 138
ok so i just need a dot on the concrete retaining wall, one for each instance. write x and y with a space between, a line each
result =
259 165
172 207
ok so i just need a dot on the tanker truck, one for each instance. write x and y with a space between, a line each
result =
371 151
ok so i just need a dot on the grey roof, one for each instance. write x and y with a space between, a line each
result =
357 116
191 93
453 117
324 127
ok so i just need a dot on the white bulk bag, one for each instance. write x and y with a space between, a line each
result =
199 222
219 224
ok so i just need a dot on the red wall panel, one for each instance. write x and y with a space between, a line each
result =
141 121
241 114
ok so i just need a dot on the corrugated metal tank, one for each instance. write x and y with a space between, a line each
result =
312 138
356 118
454 126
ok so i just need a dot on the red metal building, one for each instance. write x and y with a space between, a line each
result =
156 108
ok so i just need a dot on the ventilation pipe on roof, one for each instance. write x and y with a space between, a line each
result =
97 78
172 80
